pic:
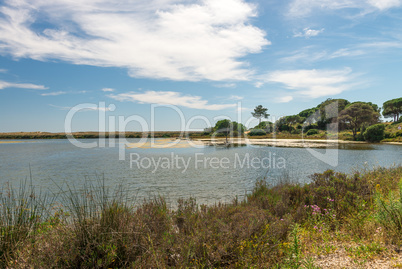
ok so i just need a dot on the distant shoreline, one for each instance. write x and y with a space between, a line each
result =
277 140
83 135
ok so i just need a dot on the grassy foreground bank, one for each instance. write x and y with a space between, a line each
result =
336 221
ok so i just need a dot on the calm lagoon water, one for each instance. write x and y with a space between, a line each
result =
209 174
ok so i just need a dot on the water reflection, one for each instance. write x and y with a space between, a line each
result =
57 162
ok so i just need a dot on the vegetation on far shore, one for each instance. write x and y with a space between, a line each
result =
331 119
357 121
284 225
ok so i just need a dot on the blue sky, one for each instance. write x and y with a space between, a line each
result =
204 57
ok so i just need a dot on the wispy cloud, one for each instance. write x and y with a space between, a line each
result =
169 98
168 39
94 108
313 83
3 70
301 8
226 85
312 54
383 45
307 33
236 97
108 90
53 93
258 84
5 84
385 4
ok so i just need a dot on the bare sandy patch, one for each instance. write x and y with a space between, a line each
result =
166 143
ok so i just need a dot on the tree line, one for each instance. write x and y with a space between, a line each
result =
358 117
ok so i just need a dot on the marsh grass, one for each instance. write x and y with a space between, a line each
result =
275 226
22 211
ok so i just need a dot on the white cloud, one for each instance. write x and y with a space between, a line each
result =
313 83
311 54
300 8
226 85
4 84
385 4
242 109
108 90
284 99
3 70
307 33
169 98
94 108
168 39
258 84
53 93
236 97
383 45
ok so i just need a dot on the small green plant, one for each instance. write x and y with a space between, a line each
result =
389 210
365 252
293 249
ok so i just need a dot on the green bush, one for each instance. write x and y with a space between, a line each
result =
312 132
374 133
256 132
265 125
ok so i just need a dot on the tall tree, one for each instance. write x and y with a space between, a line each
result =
224 127
355 115
392 108
260 112
329 111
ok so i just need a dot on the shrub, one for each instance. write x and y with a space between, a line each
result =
312 132
256 132
388 134
374 133
265 125
309 126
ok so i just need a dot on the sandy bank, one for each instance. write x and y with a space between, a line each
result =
292 143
